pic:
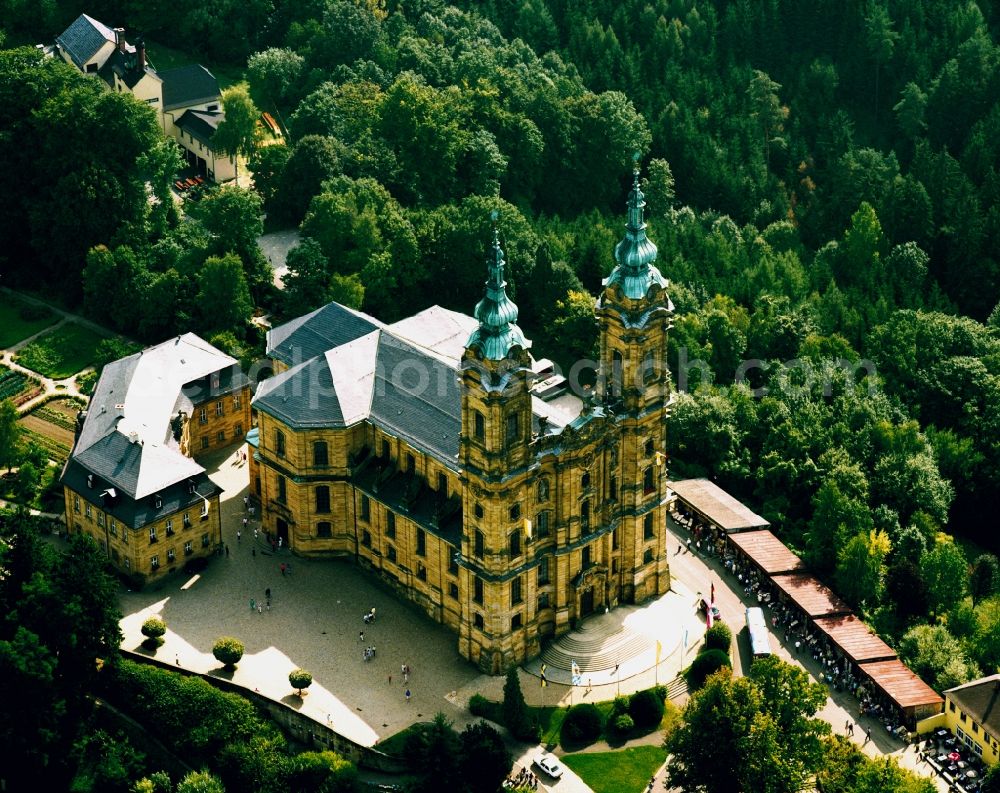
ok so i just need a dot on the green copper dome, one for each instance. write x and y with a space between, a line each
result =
635 272
497 332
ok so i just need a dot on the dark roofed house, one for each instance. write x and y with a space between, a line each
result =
187 99
87 43
189 86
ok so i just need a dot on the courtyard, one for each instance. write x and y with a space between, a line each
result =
314 623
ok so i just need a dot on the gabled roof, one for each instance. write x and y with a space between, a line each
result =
84 38
716 505
124 65
981 700
439 330
127 438
201 124
314 333
188 85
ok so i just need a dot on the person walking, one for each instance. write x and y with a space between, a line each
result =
253 604
361 636
253 551
407 695
239 535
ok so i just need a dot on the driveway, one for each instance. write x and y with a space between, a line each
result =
275 247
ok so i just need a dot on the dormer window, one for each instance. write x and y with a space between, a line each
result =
157 501
191 486
90 481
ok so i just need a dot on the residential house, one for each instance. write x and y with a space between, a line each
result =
972 712
187 99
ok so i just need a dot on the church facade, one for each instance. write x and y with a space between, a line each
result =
434 453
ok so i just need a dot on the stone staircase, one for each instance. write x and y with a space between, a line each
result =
597 646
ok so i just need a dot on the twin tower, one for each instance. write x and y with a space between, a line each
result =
564 508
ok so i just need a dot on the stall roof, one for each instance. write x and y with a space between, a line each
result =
810 595
767 551
900 684
854 638
716 505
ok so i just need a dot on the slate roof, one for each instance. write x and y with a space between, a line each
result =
127 438
981 700
201 124
84 37
316 332
124 65
188 85
406 390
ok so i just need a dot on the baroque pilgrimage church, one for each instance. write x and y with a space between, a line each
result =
426 450
434 451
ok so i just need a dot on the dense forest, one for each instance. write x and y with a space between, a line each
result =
822 182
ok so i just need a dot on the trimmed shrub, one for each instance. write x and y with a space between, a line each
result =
646 709
705 664
479 705
623 724
153 629
228 651
719 637
582 725
300 679
619 705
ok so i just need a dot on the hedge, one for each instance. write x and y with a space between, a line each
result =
582 725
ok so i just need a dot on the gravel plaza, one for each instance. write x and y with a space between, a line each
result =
315 622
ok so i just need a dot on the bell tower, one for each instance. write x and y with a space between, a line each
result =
495 374
635 313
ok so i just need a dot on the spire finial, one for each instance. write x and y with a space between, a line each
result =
496 312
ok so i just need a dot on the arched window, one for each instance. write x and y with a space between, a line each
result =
617 373
515 544
585 480
321 456
322 498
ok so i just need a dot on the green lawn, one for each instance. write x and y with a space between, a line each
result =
625 771
62 352
14 327
394 743
163 57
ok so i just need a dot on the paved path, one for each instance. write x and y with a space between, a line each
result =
275 247
699 572
50 387
314 623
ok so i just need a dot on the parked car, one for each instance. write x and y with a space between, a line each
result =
549 763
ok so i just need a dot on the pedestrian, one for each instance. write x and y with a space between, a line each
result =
406 677
282 566
245 522
239 535
868 735
678 548
246 501
255 535
267 593
390 678
177 660
847 726
361 636
251 508
260 609
407 695
254 552
253 604
227 549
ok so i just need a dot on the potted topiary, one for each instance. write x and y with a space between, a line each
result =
228 651
300 679
153 629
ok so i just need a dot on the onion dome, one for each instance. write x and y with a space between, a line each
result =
635 272
498 332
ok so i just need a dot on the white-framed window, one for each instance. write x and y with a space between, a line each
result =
236 401
188 548
76 503
187 520
114 528
171 556
152 533
219 410
128 563
88 511
100 519
154 561
203 415
204 540
170 526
